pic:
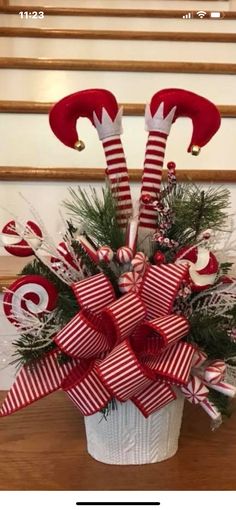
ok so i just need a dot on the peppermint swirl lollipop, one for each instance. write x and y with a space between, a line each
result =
16 244
29 295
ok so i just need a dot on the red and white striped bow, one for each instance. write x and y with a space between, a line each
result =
127 348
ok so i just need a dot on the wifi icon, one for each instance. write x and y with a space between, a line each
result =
201 14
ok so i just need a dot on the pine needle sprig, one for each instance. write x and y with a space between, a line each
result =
97 215
195 210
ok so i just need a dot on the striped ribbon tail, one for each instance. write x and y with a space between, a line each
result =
160 287
153 398
118 177
174 363
152 175
85 389
31 385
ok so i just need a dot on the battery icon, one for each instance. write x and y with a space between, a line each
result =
215 14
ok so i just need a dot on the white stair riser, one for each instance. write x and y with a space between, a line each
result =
44 85
118 49
114 23
27 140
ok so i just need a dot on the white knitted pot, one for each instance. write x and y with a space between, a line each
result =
126 437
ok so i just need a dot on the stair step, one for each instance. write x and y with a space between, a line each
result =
36 143
132 50
44 85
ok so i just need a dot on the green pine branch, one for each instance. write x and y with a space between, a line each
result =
97 215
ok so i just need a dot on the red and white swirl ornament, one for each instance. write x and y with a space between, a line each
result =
105 254
139 262
130 282
203 266
30 294
16 243
124 255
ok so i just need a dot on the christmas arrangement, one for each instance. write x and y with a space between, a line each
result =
136 305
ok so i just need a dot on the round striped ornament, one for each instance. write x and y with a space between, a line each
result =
139 262
129 282
195 391
215 372
124 255
105 254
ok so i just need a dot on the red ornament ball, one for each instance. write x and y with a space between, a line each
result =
171 165
159 258
146 198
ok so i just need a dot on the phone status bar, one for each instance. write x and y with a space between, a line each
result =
215 15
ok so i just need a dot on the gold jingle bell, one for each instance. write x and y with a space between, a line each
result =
79 145
195 149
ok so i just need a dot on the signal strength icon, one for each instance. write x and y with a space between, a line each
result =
187 16
201 14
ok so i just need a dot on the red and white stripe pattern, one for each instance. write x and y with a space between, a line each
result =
215 372
152 175
82 338
32 384
223 387
210 409
173 364
160 287
87 247
168 330
95 292
87 391
195 391
118 177
105 254
124 255
199 358
122 373
123 316
154 397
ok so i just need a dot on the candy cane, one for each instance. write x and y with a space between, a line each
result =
101 108
166 106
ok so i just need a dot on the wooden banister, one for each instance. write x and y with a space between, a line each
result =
10 173
130 109
55 33
117 65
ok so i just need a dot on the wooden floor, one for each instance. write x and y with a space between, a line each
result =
43 448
